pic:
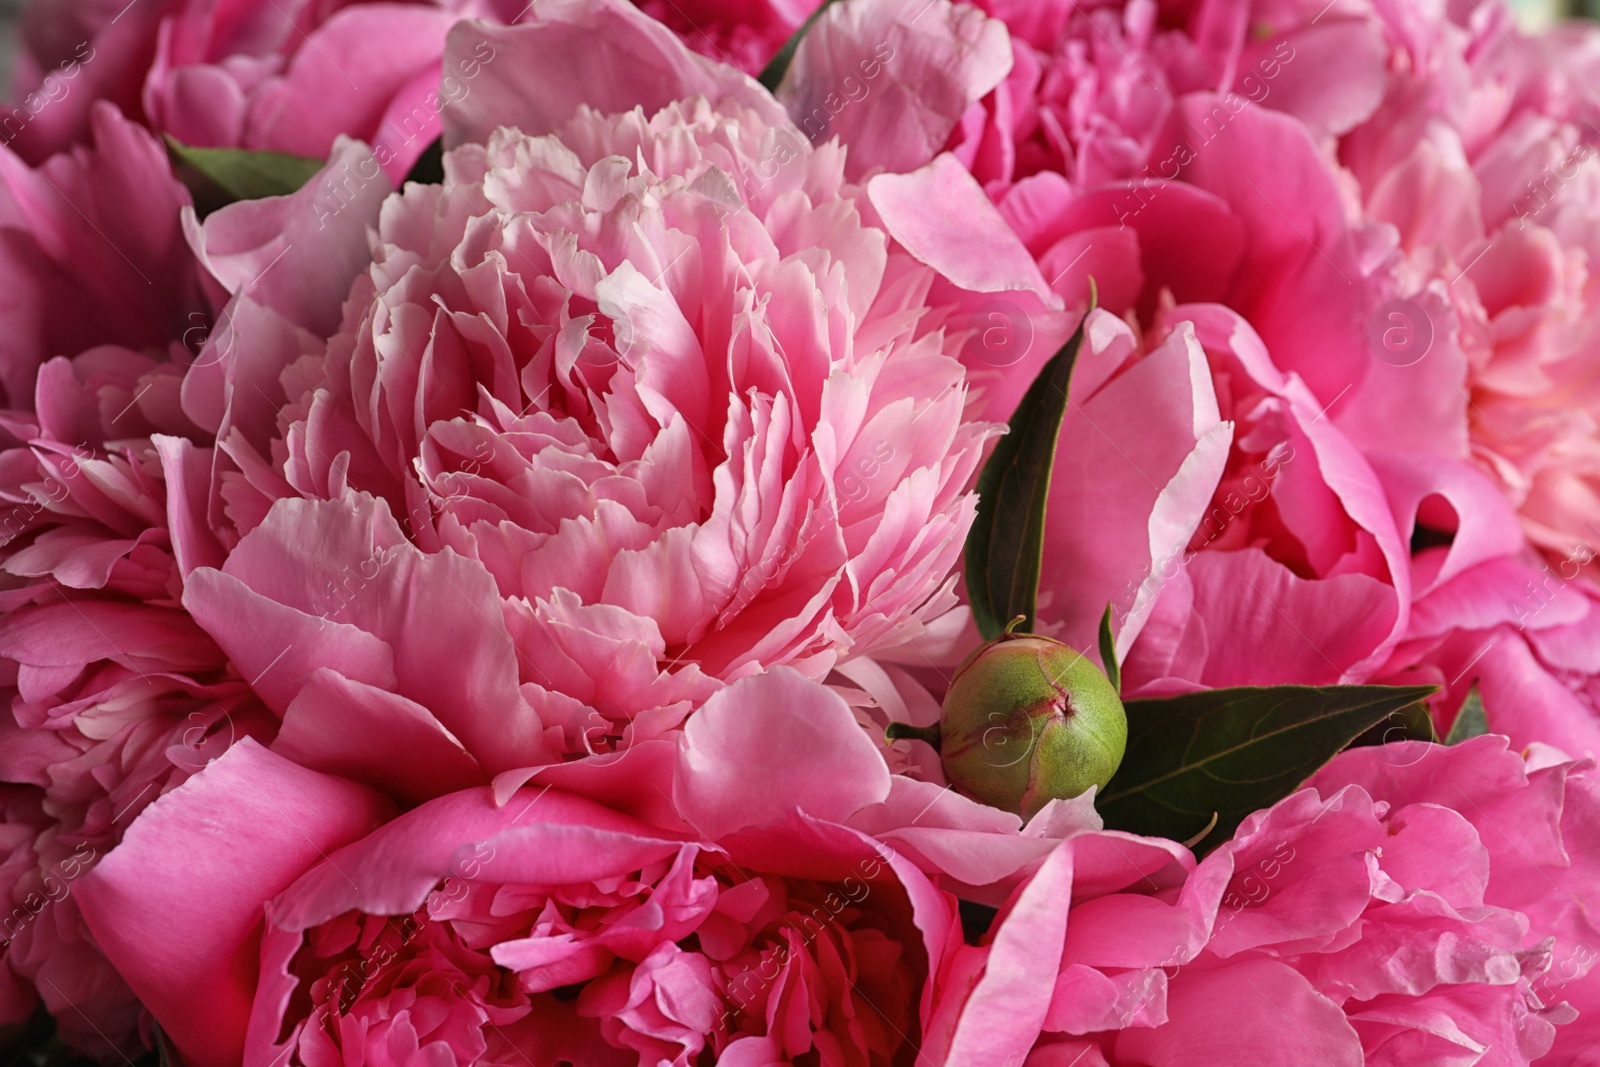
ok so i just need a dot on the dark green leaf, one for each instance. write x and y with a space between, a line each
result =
1108 651
239 173
772 74
1006 545
429 167
1233 751
1471 721
1411 723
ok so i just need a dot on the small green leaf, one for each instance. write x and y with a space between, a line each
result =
1471 720
1108 652
243 174
772 74
429 167
1234 751
1006 545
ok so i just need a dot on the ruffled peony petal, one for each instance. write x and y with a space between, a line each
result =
605 56
779 737
204 858
891 79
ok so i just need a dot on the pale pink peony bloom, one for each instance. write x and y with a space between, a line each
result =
645 401
1413 904
1481 161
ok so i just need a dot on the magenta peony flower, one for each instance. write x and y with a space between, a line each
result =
548 927
114 695
1239 535
1245 522
95 259
646 401
1360 188
1413 904
280 77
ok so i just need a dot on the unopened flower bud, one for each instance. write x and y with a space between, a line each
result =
1028 720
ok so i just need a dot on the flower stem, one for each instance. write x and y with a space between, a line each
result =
904 731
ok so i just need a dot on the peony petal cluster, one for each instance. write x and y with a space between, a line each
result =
289 77
638 412
1411 904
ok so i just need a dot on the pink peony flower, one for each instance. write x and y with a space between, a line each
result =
1230 518
1132 145
1498 126
150 495
1239 535
114 695
548 927
276 77
1390 206
1412 904
1480 160
95 259
646 401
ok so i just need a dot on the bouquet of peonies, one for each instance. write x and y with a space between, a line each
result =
889 534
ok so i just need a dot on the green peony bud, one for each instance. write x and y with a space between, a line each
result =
1028 720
